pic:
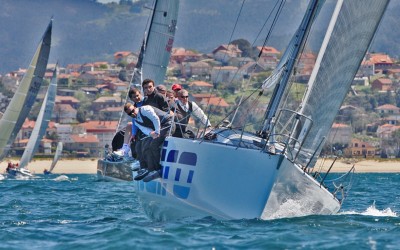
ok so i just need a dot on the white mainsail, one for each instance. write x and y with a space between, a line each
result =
57 156
346 42
23 99
42 122
156 48
160 40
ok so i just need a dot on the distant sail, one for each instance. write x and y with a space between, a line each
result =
56 156
42 122
160 40
346 42
24 98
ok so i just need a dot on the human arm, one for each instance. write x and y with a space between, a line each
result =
199 114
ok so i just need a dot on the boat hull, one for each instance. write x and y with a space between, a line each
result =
201 178
114 171
296 193
19 173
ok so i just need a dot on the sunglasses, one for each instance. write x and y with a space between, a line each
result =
131 113
184 96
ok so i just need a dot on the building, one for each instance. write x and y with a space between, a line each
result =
388 109
103 130
382 84
358 148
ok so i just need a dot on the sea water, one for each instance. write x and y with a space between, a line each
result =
79 212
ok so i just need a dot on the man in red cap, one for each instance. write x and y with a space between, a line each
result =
176 87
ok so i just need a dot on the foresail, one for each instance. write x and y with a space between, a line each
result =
160 40
23 99
345 44
42 122
57 155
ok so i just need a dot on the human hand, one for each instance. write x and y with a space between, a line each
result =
154 134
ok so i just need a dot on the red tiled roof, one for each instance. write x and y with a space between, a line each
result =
100 126
87 138
269 50
388 107
340 125
200 84
215 101
380 58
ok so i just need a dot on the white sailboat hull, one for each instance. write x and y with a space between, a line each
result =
210 179
19 173
296 193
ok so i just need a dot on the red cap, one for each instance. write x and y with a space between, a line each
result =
176 87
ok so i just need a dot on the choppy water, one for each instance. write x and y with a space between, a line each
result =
83 213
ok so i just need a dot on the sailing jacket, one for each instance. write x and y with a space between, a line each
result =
153 119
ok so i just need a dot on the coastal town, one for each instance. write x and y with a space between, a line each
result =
90 97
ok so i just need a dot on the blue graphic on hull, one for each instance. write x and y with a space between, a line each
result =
177 159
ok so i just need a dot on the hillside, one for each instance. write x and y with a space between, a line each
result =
85 30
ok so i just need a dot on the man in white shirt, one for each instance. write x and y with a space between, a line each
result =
154 125
183 110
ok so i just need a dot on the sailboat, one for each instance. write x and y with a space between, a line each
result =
39 130
57 156
152 63
24 98
238 174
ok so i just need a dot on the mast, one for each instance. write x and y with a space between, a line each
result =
280 88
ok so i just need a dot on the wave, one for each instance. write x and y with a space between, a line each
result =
373 211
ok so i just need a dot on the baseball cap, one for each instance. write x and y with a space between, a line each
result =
176 87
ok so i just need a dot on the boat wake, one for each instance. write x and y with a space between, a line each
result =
62 178
373 211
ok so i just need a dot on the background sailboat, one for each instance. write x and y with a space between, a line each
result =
41 124
152 63
24 98
57 156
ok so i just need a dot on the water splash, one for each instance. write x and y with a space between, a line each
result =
373 211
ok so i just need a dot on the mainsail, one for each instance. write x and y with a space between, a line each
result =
156 49
56 156
160 40
22 101
346 42
42 122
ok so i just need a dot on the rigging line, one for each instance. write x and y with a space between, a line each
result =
230 39
278 12
137 70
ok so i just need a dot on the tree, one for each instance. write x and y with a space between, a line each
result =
244 46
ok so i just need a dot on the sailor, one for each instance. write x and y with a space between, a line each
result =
183 110
154 98
131 129
154 125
